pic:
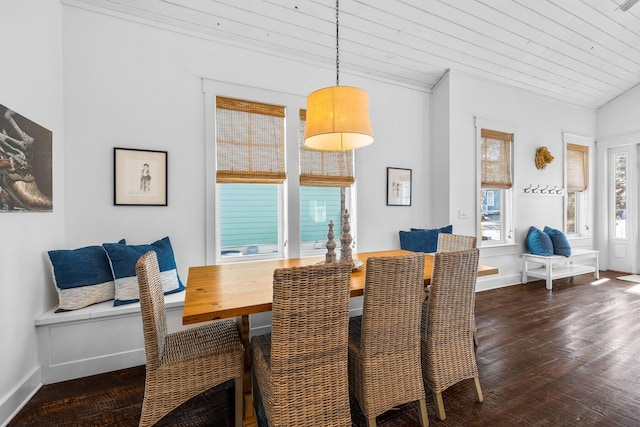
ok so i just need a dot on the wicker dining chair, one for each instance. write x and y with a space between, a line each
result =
448 355
384 343
183 364
300 369
457 242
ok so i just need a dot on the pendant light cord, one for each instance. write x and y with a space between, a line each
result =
337 46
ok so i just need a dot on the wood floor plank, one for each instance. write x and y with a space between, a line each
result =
566 357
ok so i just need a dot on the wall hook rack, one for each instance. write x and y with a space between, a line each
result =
543 190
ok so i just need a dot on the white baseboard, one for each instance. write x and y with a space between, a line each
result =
499 281
11 404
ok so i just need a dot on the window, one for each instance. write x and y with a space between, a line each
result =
250 168
248 219
577 170
254 208
325 180
318 206
620 195
495 186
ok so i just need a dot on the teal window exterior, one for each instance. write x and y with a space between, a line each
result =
249 215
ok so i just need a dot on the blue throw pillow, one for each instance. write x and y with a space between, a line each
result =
82 276
422 240
559 241
123 260
447 229
538 242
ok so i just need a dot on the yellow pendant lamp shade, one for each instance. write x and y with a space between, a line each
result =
338 119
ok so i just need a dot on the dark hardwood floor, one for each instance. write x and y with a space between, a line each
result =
567 357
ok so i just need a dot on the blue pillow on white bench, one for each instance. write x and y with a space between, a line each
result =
538 242
123 260
82 276
559 241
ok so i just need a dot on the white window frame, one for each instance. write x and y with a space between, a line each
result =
509 214
582 200
289 245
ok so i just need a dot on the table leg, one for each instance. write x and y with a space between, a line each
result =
249 415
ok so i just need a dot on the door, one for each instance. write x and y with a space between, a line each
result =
623 208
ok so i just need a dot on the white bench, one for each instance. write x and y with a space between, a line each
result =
96 339
558 267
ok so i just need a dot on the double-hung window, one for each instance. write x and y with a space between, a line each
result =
250 170
577 170
495 187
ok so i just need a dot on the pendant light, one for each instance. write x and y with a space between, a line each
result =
338 116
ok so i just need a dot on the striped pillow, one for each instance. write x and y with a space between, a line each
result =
123 260
82 276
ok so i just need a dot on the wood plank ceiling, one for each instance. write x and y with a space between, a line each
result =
586 52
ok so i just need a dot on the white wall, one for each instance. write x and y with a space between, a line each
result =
137 86
31 85
440 155
618 124
537 121
620 116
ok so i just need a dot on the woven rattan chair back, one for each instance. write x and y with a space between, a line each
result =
384 352
448 355
392 304
305 383
455 242
183 364
154 316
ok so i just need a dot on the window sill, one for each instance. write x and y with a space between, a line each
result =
578 238
496 245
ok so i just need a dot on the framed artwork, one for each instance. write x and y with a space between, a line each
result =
26 172
139 177
398 187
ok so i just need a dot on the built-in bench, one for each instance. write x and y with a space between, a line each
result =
581 261
96 339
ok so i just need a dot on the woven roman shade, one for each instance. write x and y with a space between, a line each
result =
323 168
577 167
250 142
496 159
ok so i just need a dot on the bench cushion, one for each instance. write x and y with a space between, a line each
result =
82 276
123 260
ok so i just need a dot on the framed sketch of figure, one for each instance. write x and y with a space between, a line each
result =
139 177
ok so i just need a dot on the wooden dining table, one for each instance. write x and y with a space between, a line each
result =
240 289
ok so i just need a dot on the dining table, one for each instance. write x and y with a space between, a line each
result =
238 290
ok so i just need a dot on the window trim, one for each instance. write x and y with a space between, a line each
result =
212 89
509 196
